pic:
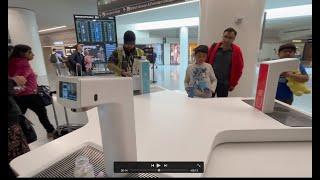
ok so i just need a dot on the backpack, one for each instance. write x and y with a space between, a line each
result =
53 58
44 94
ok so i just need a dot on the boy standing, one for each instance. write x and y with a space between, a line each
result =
284 93
200 79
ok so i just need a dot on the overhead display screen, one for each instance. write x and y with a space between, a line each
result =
92 29
108 8
68 90
109 49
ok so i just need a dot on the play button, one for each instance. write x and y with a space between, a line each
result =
158 165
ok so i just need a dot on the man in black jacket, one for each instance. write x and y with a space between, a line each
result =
77 59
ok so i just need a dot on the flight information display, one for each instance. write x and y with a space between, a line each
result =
110 31
68 90
96 31
109 49
92 29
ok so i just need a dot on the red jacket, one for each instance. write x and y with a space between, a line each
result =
21 67
236 62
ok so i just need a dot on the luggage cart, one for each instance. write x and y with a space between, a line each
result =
64 129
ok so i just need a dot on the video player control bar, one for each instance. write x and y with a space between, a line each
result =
158 167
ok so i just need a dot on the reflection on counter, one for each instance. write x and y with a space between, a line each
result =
287 116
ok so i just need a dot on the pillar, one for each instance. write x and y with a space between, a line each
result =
166 53
217 15
23 29
184 46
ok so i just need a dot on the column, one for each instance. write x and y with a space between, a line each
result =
166 53
217 15
184 46
23 29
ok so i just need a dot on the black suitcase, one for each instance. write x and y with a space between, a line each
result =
62 130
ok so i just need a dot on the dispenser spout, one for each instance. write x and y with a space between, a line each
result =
268 81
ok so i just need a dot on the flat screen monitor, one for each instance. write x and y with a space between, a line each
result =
109 49
68 90
92 29
96 51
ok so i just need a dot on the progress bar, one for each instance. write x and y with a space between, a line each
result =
158 167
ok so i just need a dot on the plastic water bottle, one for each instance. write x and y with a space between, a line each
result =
83 168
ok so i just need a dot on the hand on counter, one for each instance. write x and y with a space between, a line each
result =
126 74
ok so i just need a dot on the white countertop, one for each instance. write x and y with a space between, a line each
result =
172 127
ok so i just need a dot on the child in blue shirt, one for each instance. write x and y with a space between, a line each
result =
200 79
284 93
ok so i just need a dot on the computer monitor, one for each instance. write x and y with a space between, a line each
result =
68 90
110 47
93 29
96 51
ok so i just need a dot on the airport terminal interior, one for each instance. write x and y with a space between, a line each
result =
169 32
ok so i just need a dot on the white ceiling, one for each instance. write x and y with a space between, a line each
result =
270 4
174 33
274 27
51 13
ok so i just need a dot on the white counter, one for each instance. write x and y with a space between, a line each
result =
172 127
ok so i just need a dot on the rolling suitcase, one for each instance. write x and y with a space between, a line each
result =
62 130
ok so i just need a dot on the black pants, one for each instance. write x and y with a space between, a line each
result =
34 103
288 101
222 90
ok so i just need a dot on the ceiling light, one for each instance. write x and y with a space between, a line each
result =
296 41
293 11
58 43
176 23
54 28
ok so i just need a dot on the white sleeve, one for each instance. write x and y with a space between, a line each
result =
213 79
187 77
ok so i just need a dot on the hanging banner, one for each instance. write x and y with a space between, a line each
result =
108 8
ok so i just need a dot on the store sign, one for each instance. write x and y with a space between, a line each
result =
57 43
107 8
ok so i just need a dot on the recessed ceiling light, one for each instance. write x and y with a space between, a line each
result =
296 41
58 43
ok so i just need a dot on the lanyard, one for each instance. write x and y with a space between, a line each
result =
130 60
